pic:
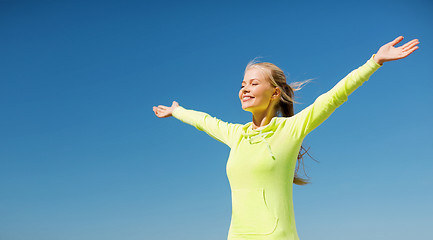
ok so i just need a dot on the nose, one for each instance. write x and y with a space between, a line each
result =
245 89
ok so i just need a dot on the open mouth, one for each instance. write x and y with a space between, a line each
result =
244 99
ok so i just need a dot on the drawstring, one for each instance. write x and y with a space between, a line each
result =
263 136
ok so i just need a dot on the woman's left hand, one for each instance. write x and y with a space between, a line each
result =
388 52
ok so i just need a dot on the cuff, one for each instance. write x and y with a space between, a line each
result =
177 112
373 63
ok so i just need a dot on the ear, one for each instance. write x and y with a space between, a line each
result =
277 93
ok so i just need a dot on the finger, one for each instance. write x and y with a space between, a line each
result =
162 107
159 114
408 43
411 51
159 110
410 46
397 40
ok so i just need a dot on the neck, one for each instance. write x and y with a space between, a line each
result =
261 119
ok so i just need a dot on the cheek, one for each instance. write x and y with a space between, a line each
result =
259 93
263 95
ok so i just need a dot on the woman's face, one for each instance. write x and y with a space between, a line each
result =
256 92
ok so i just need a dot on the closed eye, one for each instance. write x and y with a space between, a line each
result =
254 84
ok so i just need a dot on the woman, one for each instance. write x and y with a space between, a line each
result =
262 163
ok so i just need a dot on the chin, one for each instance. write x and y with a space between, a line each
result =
247 108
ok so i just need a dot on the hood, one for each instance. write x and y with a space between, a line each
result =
260 134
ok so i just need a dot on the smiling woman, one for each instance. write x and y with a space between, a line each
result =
256 92
265 93
261 167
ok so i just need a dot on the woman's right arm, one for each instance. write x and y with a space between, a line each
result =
216 128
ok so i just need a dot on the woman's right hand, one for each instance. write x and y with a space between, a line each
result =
163 111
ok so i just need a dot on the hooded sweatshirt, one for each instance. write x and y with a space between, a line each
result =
262 161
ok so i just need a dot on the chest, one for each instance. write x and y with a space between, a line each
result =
261 159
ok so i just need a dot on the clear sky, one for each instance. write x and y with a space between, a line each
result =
83 157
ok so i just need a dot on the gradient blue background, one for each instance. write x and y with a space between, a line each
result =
84 157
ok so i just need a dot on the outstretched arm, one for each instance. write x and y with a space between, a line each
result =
312 116
216 128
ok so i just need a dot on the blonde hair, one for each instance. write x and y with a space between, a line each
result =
277 78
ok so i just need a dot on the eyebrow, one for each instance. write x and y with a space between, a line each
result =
251 80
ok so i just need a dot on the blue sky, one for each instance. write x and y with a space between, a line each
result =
83 156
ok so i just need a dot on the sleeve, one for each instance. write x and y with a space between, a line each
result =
219 130
313 115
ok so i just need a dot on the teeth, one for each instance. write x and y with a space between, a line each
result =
246 98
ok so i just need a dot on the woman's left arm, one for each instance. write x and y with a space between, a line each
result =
312 116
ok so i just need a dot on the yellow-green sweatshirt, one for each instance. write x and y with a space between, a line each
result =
261 164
